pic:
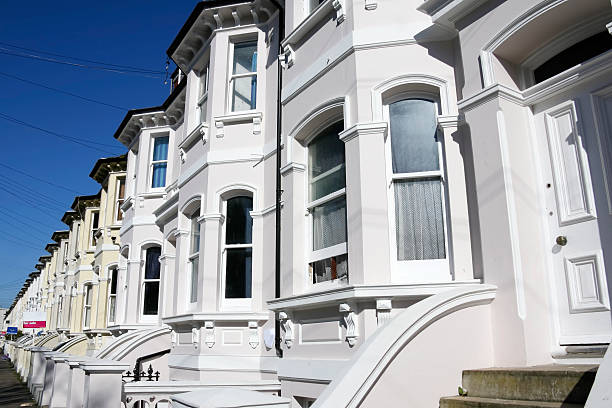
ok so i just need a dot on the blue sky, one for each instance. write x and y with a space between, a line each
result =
129 33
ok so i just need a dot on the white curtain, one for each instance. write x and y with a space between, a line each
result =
419 221
329 223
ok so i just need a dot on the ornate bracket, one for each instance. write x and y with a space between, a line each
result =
195 336
182 155
350 320
253 334
209 338
371 5
173 338
287 325
338 6
383 311
287 58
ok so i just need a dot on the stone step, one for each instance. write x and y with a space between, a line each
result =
550 383
478 402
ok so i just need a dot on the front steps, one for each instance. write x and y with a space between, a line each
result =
550 386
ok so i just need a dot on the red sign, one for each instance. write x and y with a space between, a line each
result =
33 324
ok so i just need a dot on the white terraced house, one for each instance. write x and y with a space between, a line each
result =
350 203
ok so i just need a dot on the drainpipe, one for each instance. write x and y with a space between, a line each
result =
279 190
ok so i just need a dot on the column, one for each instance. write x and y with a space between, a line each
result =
103 383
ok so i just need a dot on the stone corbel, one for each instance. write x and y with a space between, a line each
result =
383 311
340 9
256 126
195 337
220 131
287 58
253 334
371 5
209 338
173 338
609 27
288 328
182 155
350 321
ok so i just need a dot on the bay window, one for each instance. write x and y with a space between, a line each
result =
243 80
203 95
150 300
194 256
327 206
112 295
159 161
238 247
416 179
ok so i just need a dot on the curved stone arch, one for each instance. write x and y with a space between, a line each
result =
232 190
410 83
317 120
109 267
189 206
533 15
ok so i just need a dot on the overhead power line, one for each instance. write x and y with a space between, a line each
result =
83 142
35 57
27 81
38 178
128 67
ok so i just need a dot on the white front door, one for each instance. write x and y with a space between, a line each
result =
574 135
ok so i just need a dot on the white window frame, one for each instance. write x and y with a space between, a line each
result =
149 318
87 289
120 200
414 271
92 230
240 304
111 295
193 256
154 162
204 81
60 310
334 250
232 76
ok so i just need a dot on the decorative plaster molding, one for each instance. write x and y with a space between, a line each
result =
360 129
195 337
340 9
173 338
371 5
383 311
255 117
209 338
253 334
288 327
350 320
200 131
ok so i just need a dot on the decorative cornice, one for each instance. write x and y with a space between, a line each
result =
362 129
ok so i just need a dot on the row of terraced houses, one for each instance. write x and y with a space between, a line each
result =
342 203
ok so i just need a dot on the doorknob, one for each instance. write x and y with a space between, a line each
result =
561 240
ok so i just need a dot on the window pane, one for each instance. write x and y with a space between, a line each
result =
245 91
418 218
326 163
160 148
113 285
239 228
159 175
193 293
332 268
152 263
151 296
413 136
87 316
88 296
111 308
329 223
195 233
238 273
245 57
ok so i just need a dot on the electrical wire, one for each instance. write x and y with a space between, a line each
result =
83 59
39 179
27 81
7 51
31 191
84 143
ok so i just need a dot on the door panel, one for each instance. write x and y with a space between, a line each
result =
572 143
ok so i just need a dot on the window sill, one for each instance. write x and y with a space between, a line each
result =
253 116
336 294
200 131
311 22
217 317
